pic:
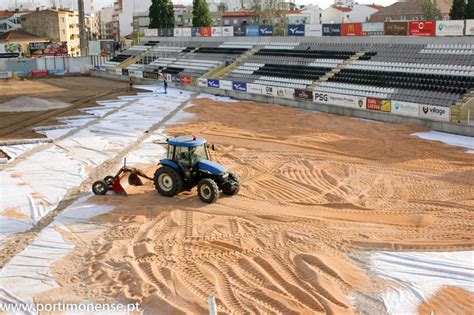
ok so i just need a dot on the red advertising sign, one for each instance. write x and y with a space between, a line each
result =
422 28
205 31
185 80
378 104
39 73
351 29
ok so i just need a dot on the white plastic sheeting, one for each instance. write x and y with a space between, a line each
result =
28 273
416 276
456 140
36 185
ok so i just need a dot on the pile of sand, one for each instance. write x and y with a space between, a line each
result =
31 104
315 189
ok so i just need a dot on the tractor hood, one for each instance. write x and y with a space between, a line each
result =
213 167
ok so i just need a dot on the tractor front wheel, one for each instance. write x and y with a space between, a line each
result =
168 182
99 187
233 189
208 190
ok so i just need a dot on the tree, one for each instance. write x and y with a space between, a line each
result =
469 11
457 10
274 13
161 14
201 14
430 10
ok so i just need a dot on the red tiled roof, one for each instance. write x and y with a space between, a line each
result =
342 9
375 6
19 35
238 14
179 6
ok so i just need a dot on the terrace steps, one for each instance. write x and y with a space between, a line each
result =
219 72
336 70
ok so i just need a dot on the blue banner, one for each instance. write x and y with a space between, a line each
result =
59 72
251 30
195 32
265 30
239 86
332 29
296 30
213 83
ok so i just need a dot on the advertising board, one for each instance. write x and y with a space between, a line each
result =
151 32
251 30
372 29
405 108
284 92
313 30
239 86
151 75
185 80
303 95
135 74
332 29
226 85
350 101
268 90
205 31
186 32
178 32
239 30
265 30
213 83
351 29
5 74
254 88
216 31
469 27
422 28
395 28
435 112
449 28
202 82
378 104
227 31
295 29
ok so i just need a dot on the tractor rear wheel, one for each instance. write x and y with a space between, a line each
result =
233 190
208 191
168 182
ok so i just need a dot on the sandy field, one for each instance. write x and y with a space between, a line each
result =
318 192
79 92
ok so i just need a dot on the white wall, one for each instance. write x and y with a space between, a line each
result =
331 15
361 13
126 17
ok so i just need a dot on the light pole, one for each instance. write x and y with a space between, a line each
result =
82 28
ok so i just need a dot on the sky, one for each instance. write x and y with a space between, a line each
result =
102 3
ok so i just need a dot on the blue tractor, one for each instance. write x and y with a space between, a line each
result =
187 165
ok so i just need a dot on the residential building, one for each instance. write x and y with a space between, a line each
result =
104 16
93 29
58 25
237 18
123 16
141 21
355 13
11 20
410 10
305 14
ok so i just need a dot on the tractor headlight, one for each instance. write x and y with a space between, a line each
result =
225 175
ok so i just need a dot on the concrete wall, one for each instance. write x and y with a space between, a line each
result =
378 116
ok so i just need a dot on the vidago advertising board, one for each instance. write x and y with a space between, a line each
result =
405 108
449 28
469 27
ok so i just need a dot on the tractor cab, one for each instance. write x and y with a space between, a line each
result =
190 155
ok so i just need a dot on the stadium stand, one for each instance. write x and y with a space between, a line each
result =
434 74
